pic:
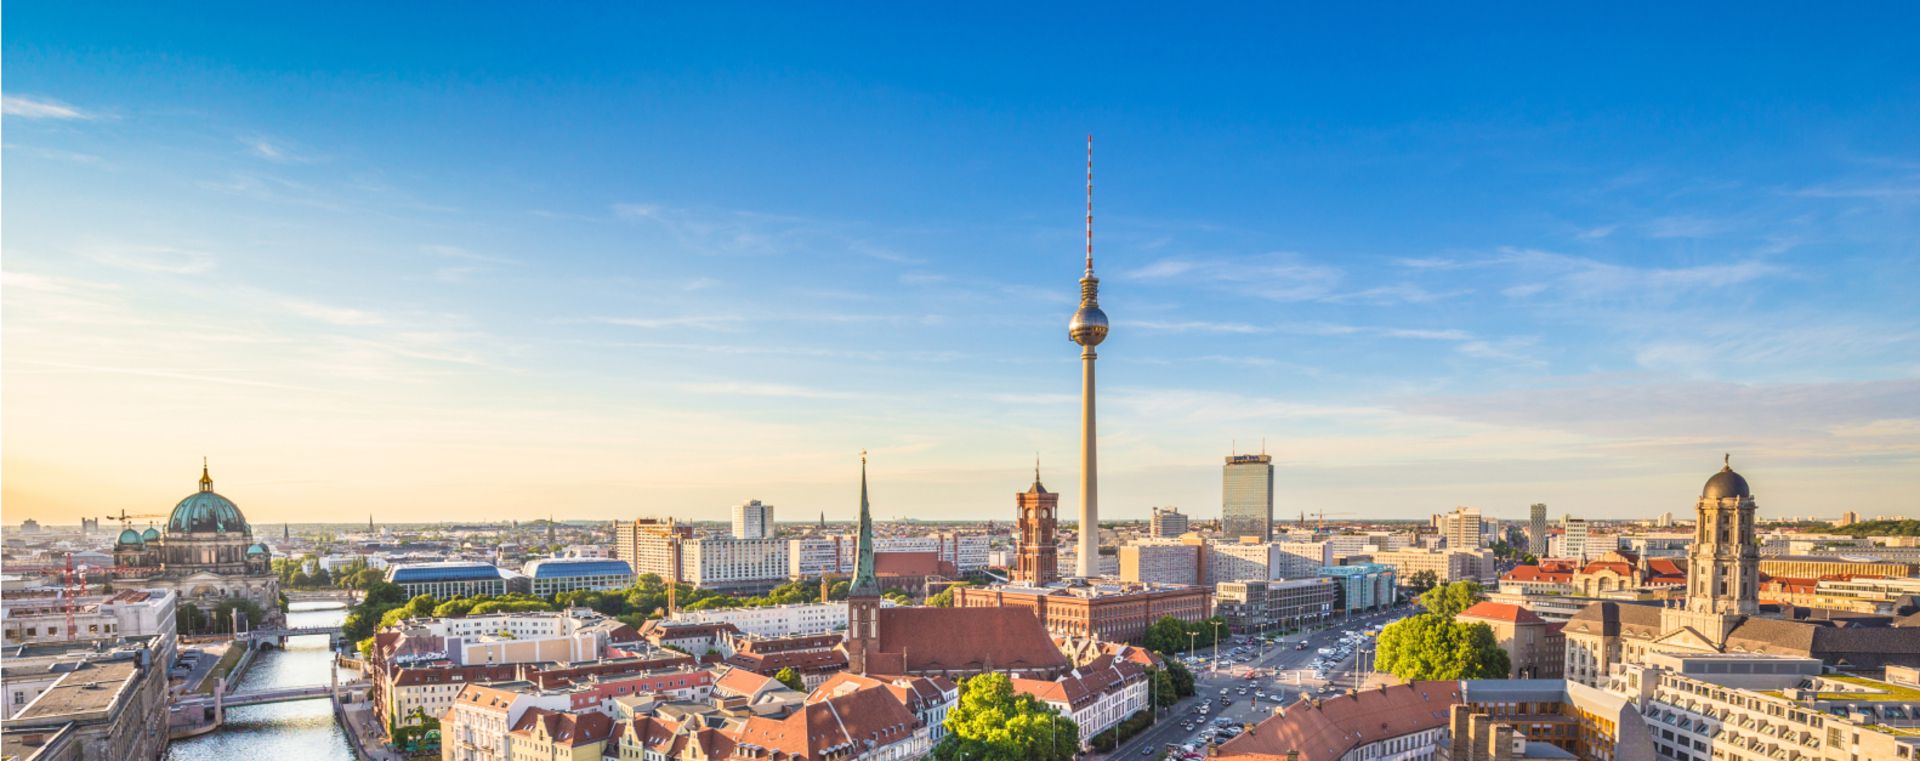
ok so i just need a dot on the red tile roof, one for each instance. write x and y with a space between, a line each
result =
568 729
1538 574
963 641
1327 730
906 563
1500 611
835 722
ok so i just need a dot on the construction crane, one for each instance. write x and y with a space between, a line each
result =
1323 520
126 519
73 582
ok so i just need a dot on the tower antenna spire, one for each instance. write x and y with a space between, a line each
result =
1089 203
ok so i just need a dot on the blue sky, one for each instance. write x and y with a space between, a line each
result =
449 262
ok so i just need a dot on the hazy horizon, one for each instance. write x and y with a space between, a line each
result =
499 263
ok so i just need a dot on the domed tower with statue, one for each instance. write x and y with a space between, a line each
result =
206 554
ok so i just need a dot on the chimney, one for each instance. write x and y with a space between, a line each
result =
1501 743
1457 725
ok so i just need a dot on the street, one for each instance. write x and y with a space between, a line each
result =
1293 673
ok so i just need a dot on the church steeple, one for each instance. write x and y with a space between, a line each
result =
865 584
206 480
863 595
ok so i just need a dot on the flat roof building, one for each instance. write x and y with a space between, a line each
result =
553 575
455 578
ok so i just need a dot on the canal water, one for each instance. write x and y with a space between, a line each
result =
302 730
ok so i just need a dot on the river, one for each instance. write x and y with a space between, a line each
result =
302 730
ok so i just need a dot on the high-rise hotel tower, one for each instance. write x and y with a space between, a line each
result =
1088 328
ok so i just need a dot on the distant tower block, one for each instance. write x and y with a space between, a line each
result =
1088 328
1037 559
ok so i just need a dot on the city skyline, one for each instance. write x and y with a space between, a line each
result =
366 269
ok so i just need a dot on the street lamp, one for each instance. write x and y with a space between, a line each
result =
1216 647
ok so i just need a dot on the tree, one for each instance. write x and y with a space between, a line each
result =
1421 581
1162 689
1429 646
189 619
222 618
898 597
1167 635
945 598
1529 559
994 723
791 679
1181 677
1448 600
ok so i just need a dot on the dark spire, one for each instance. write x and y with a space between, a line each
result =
864 582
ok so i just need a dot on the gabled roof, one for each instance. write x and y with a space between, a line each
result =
1538 574
568 729
963 640
862 718
1500 611
905 563
1325 730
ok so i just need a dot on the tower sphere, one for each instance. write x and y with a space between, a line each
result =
1088 326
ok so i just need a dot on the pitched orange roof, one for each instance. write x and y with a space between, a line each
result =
966 640
906 563
1501 611
1327 730
862 718
560 728
1534 573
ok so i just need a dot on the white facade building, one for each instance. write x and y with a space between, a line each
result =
28 619
777 620
728 563
1267 561
815 556
1573 540
1161 561
753 520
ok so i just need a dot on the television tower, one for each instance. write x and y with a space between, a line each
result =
1088 328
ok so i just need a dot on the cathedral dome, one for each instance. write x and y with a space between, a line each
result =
205 512
150 535
1726 484
130 536
257 549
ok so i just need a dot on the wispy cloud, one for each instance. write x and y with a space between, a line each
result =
72 157
1686 226
1193 326
735 233
771 390
1427 334
1897 190
470 263
164 259
701 322
28 107
334 315
1277 277
273 150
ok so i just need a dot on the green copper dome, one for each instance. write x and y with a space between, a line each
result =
129 536
150 535
257 549
205 512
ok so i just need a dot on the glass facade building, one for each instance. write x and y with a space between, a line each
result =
1246 497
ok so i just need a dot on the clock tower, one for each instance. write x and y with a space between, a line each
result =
1036 560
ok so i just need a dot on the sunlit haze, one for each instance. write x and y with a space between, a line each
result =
440 265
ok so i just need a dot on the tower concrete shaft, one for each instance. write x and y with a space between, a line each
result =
1088 328
1087 563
